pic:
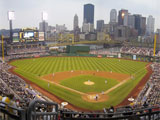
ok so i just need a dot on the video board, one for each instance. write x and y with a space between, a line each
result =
28 35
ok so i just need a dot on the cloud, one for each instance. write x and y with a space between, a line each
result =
150 4
28 12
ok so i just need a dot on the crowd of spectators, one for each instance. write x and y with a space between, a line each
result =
127 50
26 53
4 89
25 50
111 51
7 58
150 95
158 53
137 50
11 84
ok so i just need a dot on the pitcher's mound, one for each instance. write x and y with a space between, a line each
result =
89 83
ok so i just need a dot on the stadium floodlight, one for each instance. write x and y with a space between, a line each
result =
44 16
11 15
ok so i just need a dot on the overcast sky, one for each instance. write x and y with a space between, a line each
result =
28 12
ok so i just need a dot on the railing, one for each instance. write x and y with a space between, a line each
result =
7 112
124 114
42 110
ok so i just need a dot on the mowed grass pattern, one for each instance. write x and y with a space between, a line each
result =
47 65
98 86
33 68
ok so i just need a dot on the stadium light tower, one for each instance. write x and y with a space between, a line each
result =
11 16
44 18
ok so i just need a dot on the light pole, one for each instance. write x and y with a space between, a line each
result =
11 16
44 18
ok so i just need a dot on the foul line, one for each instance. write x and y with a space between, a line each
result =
121 83
66 87
106 92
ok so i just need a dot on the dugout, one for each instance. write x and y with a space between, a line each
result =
77 49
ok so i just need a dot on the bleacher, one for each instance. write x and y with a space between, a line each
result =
31 107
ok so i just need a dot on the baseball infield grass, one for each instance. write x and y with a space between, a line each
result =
32 69
98 86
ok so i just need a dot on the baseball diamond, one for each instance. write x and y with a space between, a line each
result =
85 82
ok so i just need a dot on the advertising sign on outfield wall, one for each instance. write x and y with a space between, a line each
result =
134 57
119 55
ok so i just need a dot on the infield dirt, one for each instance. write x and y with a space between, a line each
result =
57 77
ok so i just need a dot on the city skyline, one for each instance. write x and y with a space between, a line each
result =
28 13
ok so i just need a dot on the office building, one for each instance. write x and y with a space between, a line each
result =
131 21
143 26
122 17
60 28
88 14
125 21
140 24
41 26
75 22
150 25
113 16
87 27
100 25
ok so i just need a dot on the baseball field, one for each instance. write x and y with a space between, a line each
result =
85 82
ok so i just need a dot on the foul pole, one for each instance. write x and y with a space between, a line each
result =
155 40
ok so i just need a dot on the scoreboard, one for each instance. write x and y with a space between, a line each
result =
29 35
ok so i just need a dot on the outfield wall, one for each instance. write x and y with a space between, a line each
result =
122 55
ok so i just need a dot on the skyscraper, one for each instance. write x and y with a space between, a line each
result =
140 24
150 25
122 16
88 27
113 16
75 22
88 13
143 25
125 20
88 19
100 25
41 27
131 21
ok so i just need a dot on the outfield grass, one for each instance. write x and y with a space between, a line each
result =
32 68
99 83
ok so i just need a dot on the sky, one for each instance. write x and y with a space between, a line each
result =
28 13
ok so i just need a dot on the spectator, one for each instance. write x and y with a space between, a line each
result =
9 100
111 111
